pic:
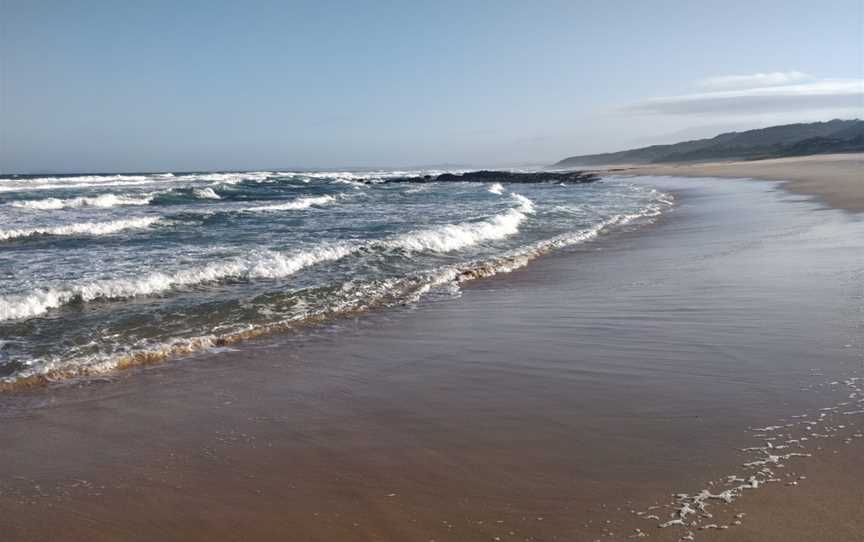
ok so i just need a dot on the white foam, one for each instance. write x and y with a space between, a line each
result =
367 177
83 181
452 275
102 200
83 228
450 237
418 189
100 179
355 184
268 264
293 205
762 471
206 193
496 188
103 181
265 264
229 178
33 187
522 256
525 204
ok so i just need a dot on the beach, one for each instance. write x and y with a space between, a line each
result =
836 179
570 399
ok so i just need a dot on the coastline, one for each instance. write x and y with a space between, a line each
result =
567 393
824 504
836 179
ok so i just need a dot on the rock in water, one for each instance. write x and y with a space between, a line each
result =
485 176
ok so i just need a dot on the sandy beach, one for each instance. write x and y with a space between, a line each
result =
570 401
431 271
836 179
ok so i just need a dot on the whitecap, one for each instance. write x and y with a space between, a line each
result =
206 193
496 188
102 200
272 265
83 228
450 237
265 264
297 204
95 179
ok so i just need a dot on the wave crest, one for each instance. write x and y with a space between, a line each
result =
450 237
205 193
102 200
496 188
83 228
358 297
263 265
293 205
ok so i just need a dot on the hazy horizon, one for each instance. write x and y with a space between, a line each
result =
91 87
379 167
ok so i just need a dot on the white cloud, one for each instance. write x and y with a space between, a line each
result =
828 94
728 82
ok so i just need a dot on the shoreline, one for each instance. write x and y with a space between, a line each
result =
568 392
835 179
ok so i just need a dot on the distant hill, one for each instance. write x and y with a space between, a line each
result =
774 142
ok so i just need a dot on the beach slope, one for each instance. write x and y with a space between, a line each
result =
836 179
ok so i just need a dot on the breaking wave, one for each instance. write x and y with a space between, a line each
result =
240 260
265 264
105 181
356 297
451 237
80 181
206 193
83 228
297 204
102 200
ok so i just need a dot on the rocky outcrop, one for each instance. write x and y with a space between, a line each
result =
484 176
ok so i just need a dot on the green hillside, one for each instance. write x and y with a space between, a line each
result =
775 141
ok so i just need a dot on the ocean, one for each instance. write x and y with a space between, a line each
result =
101 272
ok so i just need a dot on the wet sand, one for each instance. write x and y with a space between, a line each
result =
826 505
538 405
836 179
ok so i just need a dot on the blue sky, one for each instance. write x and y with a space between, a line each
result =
123 86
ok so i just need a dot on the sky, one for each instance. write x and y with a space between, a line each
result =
98 86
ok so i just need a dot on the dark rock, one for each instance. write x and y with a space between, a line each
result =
485 176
